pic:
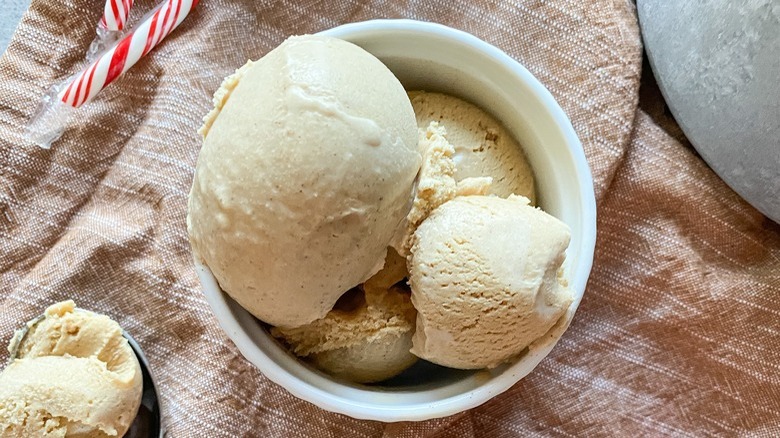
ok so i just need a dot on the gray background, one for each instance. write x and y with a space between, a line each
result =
12 11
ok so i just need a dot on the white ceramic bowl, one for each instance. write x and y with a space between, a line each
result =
433 57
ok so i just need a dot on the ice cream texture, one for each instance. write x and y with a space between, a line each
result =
366 338
315 160
306 172
483 146
436 182
74 375
485 280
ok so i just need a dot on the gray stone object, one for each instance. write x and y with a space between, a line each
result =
717 63
10 13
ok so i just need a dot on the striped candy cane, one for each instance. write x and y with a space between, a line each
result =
115 14
126 53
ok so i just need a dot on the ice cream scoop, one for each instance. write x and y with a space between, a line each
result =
485 279
366 338
483 146
306 172
71 373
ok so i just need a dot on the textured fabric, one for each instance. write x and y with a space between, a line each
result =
677 334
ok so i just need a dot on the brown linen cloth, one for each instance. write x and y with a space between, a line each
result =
678 333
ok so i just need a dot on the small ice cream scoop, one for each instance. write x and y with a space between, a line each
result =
72 372
366 338
485 279
482 145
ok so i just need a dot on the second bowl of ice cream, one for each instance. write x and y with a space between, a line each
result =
327 225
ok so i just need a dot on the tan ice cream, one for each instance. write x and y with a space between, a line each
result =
366 338
75 375
309 171
436 183
306 172
483 147
484 274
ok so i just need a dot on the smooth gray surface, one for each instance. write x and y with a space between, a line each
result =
10 13
717 63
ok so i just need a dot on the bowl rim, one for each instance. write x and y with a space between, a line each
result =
218 301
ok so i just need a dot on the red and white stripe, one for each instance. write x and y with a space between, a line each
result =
126 53
115 14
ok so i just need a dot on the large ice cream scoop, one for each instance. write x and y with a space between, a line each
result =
306 171
485 281
70 373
